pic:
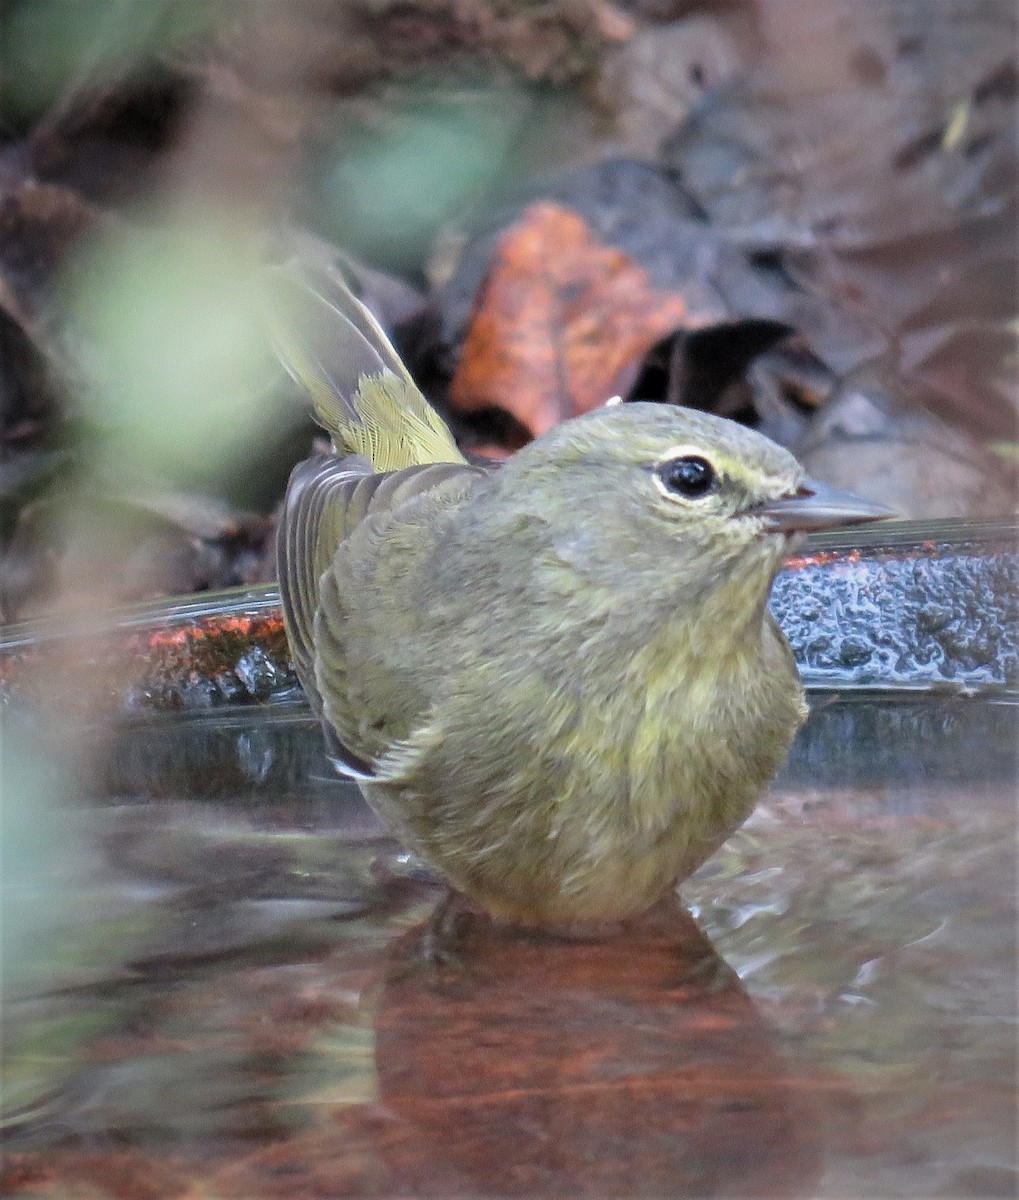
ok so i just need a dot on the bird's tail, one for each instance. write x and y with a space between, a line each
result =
362 393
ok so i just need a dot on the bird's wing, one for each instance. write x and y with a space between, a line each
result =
328 500
362 393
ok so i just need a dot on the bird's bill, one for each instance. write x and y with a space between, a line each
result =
815 506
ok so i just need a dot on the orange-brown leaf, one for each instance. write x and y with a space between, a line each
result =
561 323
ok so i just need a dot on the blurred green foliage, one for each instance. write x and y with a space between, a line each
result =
179 364
48 48
384 180
38 849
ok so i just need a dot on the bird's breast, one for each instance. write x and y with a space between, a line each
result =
587 794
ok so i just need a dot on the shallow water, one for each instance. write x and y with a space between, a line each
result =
227 985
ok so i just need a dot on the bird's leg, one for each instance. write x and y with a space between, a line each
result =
447 930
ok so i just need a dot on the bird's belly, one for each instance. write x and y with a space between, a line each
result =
600 808
570 841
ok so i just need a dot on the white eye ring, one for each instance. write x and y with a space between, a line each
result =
701 479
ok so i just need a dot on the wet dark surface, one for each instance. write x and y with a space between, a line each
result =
927 610
243 995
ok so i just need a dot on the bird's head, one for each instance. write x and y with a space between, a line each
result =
645 486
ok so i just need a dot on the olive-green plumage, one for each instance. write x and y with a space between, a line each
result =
558 682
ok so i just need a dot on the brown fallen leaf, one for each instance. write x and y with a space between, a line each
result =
561 324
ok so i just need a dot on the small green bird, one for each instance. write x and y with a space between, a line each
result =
557 682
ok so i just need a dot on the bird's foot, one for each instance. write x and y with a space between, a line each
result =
452 922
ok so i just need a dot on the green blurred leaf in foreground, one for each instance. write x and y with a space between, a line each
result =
177 360
51 48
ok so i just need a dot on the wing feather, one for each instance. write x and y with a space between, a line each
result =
327 501
315 506
393 449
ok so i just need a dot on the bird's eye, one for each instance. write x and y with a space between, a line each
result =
690 476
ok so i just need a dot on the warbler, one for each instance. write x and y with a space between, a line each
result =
557 681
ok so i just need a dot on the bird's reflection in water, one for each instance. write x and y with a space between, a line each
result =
458 1058
527 1063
